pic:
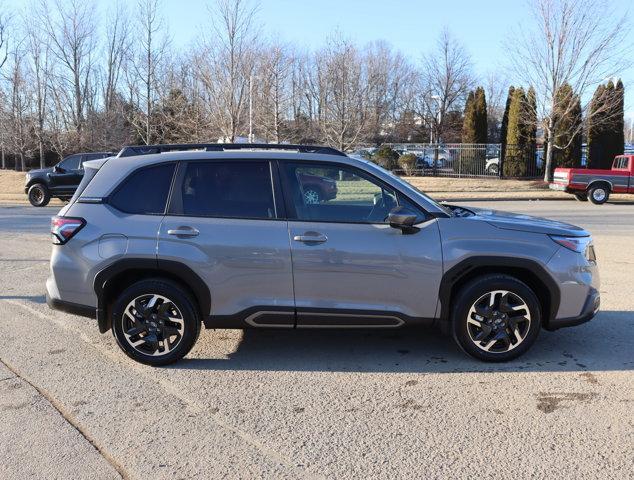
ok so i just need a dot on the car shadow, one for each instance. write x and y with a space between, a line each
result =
41 299
604 344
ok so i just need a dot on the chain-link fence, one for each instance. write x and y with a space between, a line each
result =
471 160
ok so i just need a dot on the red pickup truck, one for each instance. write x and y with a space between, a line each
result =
594 184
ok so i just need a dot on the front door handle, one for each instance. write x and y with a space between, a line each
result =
184 232
311 237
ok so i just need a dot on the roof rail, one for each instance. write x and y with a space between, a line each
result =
133 150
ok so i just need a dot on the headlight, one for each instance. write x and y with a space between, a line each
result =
577 244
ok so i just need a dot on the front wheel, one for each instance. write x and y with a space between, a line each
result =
155 322
39 196
496 318
599 194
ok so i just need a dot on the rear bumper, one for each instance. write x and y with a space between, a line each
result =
560 187
589 310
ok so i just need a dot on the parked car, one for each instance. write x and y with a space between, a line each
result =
596 185
59 181
154 245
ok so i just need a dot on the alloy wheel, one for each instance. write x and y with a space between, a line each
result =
498 321
37 195
152 325
311 197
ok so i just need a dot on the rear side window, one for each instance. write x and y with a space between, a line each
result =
145 191
230 190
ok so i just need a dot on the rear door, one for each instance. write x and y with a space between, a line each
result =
350 268
226 223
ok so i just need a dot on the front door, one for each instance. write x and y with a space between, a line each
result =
69 173
350 268
223 222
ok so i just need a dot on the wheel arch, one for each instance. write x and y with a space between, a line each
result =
528 271
600 181
113 279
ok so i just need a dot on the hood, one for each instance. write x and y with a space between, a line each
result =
527 223
38 172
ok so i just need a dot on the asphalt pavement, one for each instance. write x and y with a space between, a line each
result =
315 404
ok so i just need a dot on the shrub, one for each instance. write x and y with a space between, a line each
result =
407 162
386 157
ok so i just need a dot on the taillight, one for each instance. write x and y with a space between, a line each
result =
65 228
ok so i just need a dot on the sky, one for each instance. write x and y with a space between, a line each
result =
411 26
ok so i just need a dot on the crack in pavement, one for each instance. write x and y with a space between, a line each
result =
69 419
170 389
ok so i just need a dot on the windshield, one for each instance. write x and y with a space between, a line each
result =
408 186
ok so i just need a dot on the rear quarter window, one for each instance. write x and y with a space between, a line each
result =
145 191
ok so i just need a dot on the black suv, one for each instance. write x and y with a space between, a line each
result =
59 181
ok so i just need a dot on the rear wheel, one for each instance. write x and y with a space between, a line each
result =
39 196
155 322
599 194
496 318
581 197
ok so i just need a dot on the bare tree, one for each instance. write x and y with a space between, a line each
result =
145 69
72 35
38 53
495 88
570 42
445 81
226 64
342 87
20 98
274 97
118 45
388 75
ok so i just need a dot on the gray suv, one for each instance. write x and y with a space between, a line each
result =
163 238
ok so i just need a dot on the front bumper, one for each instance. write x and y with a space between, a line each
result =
69 307
589 310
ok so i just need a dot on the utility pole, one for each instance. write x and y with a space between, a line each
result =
250 108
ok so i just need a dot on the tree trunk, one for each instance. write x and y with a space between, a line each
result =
42 159
548 161
4 160
22 162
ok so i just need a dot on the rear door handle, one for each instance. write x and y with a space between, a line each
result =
311 237
184 232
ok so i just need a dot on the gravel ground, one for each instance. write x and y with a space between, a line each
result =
315 404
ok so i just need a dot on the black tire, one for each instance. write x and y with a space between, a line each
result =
599 194
493 169
38 194
465 333
187 312
581 197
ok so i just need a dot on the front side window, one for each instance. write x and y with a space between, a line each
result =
70 163
337 194
228 189
145 191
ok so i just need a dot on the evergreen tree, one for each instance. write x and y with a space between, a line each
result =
567 134
505 122
619 119
469 122
480 114
531 123
515 162
596 128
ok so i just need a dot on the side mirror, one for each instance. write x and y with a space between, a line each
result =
403 219
58 169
